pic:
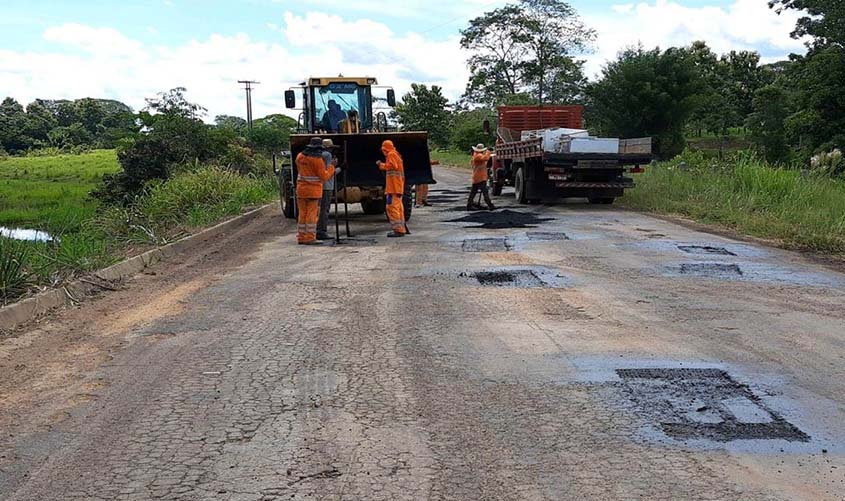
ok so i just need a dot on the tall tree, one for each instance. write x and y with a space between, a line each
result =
767 123
825 20
526 47
425 109
647 93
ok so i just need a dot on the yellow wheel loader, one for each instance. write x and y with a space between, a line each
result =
344 110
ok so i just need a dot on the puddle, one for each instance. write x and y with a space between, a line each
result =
714 270
705 249
486 245
24 234
501 219
690 404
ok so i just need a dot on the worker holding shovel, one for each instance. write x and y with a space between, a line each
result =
480 158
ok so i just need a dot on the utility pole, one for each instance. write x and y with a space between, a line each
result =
248 88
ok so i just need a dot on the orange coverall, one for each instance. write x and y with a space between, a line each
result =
479 166
309 191
395 187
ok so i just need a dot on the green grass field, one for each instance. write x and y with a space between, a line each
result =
51 193
451 157
802 211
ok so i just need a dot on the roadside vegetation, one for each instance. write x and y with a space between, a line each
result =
171 175
802 209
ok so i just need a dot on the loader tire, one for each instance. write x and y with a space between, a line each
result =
373 206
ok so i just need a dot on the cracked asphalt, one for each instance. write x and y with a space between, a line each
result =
259 370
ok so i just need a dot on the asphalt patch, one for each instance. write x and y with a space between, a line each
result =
706 249
508 278
713 270
485 245
706 404
501 219
546 236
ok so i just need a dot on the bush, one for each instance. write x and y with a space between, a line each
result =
750 195
15 279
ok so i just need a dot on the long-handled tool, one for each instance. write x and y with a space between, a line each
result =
336 220
345 197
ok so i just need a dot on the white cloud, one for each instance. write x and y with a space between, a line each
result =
105 63
102 62
743 25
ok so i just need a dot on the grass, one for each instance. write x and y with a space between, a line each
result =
51 194
451 157
802 211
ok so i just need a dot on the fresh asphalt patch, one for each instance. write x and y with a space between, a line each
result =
705 250
485 245
711 270
501 219
706 404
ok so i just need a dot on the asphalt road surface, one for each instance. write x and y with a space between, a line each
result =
545 352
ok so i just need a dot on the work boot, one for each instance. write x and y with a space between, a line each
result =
491 207
323 236
395 234
426 204
473 207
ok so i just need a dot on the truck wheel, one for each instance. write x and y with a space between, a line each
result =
373 206
602 200
495 188
519 186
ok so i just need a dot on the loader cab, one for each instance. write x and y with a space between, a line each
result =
336 105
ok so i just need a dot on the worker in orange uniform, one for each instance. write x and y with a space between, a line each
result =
422 196
394 188
312 173
480 158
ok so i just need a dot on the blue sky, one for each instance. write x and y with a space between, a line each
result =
130 49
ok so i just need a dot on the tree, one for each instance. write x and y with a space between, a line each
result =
230 122
13 125
271 134
819 123
767 123
825 20
526 47
647 93
425 109
174 104
467 129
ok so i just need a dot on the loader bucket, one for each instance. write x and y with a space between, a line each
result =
360 152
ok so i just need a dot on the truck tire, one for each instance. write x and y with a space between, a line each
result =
495 188
519 186
602 200
373 206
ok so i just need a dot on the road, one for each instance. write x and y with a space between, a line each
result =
595 353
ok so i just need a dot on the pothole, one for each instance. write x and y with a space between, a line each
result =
501 219
705 404
486 245
508 278
706 249
714 270
546 236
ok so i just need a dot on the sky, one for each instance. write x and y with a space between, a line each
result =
131 49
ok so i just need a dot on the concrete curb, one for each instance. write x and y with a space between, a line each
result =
16 314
